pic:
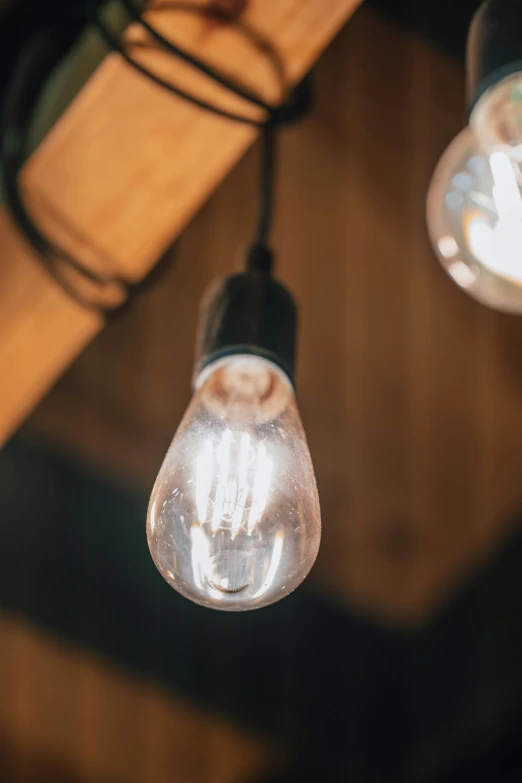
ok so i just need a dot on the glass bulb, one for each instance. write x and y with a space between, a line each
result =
234 520
474 209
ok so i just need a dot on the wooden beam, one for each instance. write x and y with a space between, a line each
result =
124 170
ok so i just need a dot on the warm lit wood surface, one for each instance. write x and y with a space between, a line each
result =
72 715
411 392
125 169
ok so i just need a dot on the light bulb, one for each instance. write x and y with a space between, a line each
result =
234 519
474 209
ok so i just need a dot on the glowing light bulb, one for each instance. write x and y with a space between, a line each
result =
475 200
234 519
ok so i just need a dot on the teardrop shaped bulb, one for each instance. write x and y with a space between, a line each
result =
234 520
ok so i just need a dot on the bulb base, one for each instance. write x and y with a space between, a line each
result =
249 313
494 49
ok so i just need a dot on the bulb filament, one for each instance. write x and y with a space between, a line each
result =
233 478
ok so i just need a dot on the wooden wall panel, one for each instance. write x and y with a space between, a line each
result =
411 392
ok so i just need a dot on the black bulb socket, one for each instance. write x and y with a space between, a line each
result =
494 48
248 313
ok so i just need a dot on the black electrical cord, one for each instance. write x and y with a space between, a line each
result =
96 18
292 108
37 61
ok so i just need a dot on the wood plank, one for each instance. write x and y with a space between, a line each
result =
124 169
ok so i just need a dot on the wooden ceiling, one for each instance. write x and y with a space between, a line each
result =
409 390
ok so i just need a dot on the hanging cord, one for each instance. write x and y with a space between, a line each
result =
38 60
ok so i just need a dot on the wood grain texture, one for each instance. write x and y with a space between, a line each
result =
73 713
411 393
124 170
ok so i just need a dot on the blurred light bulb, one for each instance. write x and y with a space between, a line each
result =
234 520
475 200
